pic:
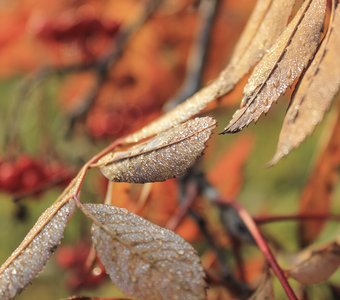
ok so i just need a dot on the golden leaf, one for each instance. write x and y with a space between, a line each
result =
317 89
144 260
167 155
35 250
264 26
266 23
318 266
279 68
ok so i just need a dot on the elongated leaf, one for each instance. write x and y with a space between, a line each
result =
263 28
282 64
318 266
313 98
167 155
31 256
143 259
181 113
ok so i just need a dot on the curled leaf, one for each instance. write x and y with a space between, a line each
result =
279 68
266 23
167 155
318 266
265 289
313 98
31 256
143 259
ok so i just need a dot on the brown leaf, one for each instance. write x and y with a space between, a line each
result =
143 259
265 289
258 36
315 94
181 113
318 266
279 68
35 250
167 155
266 23
316 196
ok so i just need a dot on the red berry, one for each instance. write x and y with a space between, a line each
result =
9 177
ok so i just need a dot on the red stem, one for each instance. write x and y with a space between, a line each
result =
262 244
296 217
191 196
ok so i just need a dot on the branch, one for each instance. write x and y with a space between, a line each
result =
260 220
263 246
196 61
103 64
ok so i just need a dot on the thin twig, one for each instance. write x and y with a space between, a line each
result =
260 220
106 62
266 251
196 61
190 197
236 287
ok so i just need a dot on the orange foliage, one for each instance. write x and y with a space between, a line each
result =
160 205
316 197
227 175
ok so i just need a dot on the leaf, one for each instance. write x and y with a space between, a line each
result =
313 98
259 34
318 266
179 114
167 155
279 68
266 23
316 196
265 290
33 253
144 260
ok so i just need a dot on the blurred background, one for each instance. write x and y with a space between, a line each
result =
76 74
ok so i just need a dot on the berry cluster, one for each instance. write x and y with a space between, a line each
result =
29 175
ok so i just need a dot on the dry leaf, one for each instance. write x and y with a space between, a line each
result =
279 68
316 91
179 114
266 23
28 260
167 155
143 259
265 289
318 266
259 34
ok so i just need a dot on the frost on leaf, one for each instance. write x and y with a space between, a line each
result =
144 260
37 247
266 23
318 265
282 65
167 155
317 89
